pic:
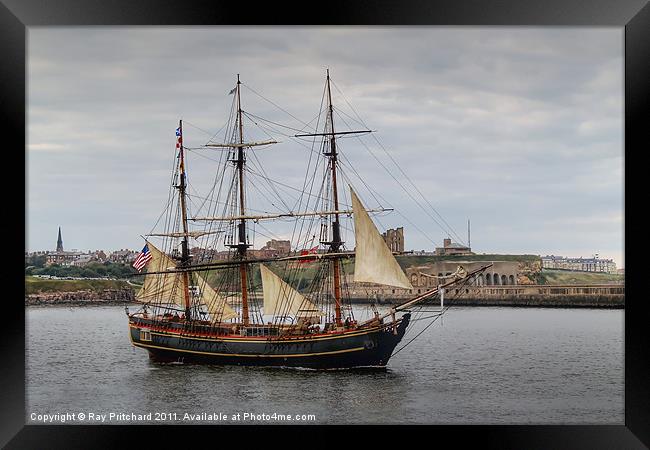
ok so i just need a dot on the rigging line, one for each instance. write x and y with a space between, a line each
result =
340 111
291 187
396 210
348 103
264 129
169 201
310 179
262 194
272 235
167 210
251 116
214 185
418 190
400 184
307 179
422 331
349 181
207 199
170 196
277 106
298 141
399 168
346 163
204 131
195 152
292 137
425 317
271 185
227 203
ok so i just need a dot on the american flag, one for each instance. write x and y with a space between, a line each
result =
143 258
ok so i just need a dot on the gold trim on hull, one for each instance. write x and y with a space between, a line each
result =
259 355
257 340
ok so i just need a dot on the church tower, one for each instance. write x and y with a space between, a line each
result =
59 242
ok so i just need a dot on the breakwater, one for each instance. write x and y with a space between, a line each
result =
557 296
81 297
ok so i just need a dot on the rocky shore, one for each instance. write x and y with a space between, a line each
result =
82 297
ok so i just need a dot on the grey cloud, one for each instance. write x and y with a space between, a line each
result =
503 125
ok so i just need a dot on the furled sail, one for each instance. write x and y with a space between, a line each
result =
282 299
161 287
374 262
216 304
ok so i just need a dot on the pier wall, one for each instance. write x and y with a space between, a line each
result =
588 296
82 297
569 296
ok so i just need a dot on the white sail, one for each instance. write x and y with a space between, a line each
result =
161 287
216 304
374 262
282 299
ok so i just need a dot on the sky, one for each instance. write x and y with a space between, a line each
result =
517 129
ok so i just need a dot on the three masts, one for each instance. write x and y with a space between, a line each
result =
174 281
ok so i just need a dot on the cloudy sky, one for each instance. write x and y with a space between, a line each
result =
518 129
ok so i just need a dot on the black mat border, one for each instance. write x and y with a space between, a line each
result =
16 15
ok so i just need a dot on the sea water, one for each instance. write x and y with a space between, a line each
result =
475 365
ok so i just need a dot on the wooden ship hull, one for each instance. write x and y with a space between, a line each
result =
368 347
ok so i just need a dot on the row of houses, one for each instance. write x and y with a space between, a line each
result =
78 258
593 264
273 248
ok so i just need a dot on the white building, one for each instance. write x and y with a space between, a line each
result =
593 264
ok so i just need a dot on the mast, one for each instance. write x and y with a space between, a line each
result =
185 253
242 245
336 242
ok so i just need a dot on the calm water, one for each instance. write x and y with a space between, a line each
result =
475 366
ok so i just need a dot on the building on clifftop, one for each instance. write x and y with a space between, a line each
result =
452 248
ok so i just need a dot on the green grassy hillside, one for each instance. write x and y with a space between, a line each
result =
406 261
569 277
34 285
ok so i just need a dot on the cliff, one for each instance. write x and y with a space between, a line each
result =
81 297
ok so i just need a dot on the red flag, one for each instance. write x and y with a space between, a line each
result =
311 251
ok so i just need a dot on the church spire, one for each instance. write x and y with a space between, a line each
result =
59 242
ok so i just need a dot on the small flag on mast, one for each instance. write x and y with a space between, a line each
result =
311 251
232 91
143 258
179 138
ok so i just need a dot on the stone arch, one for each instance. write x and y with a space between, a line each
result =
512 279
496 279
414 279
488 279
504 279
480 280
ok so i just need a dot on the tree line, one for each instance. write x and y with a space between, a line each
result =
35 265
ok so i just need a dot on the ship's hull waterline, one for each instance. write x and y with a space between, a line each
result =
368 347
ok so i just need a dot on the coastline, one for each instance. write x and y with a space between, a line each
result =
610 296
81 298
565 302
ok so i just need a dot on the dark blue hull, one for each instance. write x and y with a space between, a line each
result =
366 347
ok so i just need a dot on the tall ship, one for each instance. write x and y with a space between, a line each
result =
208 297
